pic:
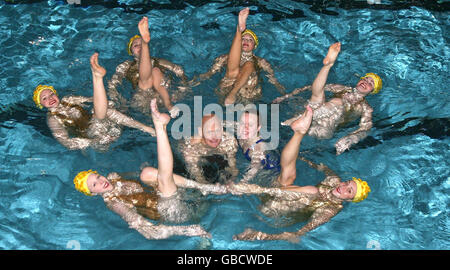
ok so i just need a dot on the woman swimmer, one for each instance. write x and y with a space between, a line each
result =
146 74
129 199
73 126
254 148
348 103
242 67
323 201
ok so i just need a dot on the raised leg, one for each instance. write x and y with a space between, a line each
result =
99 96
157 78
317 88
290 151
166 183
234 56
145 63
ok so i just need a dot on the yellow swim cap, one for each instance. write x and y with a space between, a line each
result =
362 190
131 42
80 182
37 93
378 83
251 33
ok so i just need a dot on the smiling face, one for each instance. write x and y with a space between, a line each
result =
212 131
248 126
248 43
136 47
345 190
98 184
365 86
49 99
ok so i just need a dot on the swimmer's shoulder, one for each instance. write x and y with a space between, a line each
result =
125 64
113 176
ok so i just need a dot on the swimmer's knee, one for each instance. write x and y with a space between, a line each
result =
232 74
156 71
287 178
156 75
149 175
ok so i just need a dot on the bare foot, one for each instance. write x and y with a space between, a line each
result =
159 119
333 52
243 14
301 125
97 70
143 30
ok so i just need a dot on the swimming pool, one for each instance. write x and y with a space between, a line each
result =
405 158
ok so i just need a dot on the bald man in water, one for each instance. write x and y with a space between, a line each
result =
211 140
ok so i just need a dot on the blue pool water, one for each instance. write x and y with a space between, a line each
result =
405 158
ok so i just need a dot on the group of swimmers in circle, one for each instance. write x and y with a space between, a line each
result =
159 196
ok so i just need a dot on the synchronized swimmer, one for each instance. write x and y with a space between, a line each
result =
348 104
241 83
129 200
159 195
146 75
76 128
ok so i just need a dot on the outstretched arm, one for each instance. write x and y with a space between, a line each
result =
178 70
331 87
321 167
125 120
289 193
78 100
319 217
148 229
265 65
365 124
219 63
149 176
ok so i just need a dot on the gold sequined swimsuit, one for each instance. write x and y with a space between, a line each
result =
250 92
